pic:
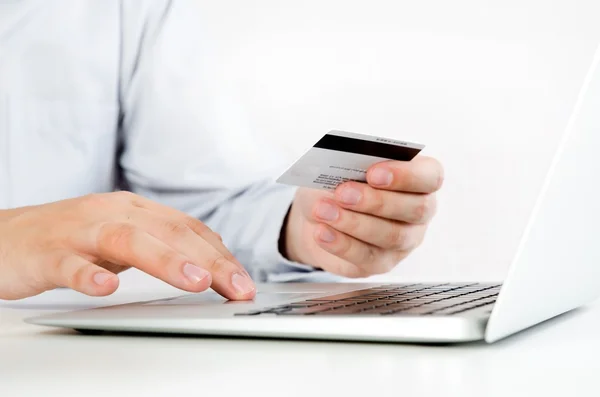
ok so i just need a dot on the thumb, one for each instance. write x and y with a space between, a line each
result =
81 275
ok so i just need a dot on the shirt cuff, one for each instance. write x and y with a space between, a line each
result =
269 264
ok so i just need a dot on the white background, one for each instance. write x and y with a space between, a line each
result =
488 86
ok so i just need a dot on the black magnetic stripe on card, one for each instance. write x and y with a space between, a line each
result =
367 148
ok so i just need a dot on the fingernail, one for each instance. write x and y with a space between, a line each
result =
350 195
194 273
242 284
327 211
326 235
380 177
102 278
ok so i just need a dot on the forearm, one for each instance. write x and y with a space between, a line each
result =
9 213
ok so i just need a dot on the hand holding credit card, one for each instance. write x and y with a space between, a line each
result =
345 156
364 203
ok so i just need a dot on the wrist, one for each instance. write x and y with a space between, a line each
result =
289 235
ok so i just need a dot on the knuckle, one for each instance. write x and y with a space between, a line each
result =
371 257
197 226
437 173
60 273
176 228
351 223
116 236
170 257
230 258
217 265
124 195
441 176
377 203
56 268
343 248
425 209
94 200
76 280
417 238
395 238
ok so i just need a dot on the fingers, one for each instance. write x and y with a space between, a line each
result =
383 233
194 224
228 276
370 259
421 175
405 207
127 245
194 240
74 272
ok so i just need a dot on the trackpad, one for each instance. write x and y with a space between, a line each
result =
262 298
269 298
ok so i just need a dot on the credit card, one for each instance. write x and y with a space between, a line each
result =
341 156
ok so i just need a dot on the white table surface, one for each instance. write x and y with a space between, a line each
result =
559 357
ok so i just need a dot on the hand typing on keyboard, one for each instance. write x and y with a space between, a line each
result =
83 243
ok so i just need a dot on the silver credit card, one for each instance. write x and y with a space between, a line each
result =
341 156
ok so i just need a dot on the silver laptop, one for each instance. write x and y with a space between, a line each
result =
555 269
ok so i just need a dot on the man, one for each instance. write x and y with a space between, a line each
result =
107 95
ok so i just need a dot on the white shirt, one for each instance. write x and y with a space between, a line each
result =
99 95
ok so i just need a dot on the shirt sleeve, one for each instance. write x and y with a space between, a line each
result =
187 143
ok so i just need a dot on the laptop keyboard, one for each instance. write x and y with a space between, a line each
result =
408 299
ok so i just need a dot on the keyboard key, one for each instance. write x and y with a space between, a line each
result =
357 299
317 302
305 311
366 306
342 311
346 295
381 293
473 305
455 309
414 311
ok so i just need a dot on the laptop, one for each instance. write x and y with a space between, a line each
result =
555 269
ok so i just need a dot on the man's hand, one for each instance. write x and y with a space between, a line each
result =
82 243
365 229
